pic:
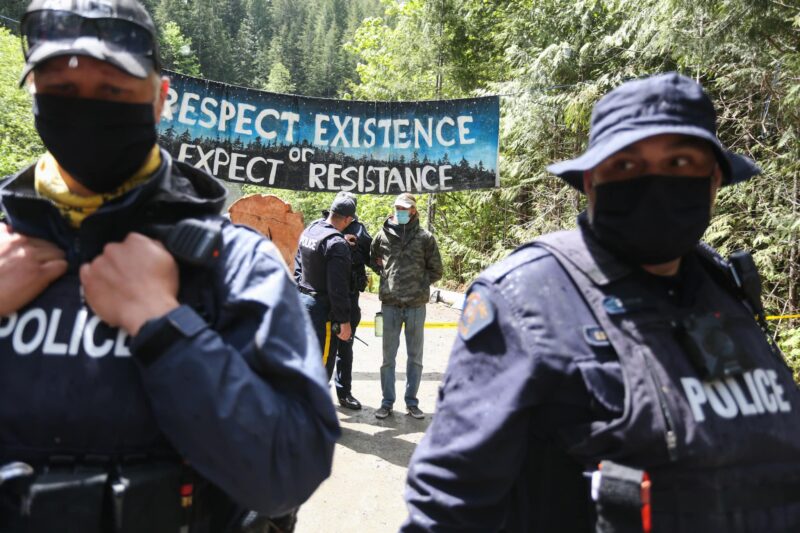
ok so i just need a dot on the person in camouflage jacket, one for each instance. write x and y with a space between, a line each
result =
407 258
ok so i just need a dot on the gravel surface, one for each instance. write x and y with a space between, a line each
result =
365 491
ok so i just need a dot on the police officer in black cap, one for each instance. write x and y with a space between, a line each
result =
157 370
613 378
359 240
323 269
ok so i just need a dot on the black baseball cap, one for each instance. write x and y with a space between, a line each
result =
638 109
344 205
119 32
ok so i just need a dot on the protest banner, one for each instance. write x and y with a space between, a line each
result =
293 142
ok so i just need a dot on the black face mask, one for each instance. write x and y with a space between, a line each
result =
100 143
652 219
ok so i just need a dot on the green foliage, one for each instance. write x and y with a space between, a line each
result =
256 43
176 51
19 142
280 80
554 59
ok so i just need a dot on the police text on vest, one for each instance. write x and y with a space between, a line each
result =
47 332
753 393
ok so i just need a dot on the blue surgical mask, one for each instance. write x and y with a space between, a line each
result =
402 216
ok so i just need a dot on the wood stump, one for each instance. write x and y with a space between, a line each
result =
273 218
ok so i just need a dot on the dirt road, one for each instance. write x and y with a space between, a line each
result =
365 492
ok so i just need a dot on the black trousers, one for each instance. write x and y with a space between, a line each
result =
344 352
318 309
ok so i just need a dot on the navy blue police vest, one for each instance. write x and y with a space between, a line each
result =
723 455
312 256
68 384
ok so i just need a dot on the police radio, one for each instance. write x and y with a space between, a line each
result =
745 273
191 241
336 328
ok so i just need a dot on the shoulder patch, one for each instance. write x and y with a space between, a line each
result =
525 254
595 336
479 312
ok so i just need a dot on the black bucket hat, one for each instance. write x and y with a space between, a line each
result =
119 32
638 109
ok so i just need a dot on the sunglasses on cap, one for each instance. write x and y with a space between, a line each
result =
52 26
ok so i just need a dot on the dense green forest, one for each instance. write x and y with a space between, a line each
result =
551 59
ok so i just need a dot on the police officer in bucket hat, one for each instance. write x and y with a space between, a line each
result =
157 370
613 378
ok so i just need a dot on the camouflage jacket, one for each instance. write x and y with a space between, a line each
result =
411 262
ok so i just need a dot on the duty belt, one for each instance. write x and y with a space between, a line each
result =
310 292
91 498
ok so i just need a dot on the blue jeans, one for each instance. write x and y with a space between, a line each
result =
393 320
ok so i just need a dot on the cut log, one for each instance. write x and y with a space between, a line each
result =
273 218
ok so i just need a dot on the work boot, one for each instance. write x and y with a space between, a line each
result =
383 412
349 402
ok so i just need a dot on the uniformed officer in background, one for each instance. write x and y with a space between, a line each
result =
625 344
359 240
143 386
323 277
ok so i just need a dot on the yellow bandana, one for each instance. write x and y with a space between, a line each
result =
75 208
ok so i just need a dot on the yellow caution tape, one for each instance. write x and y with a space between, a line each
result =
428 325
782 317
446 325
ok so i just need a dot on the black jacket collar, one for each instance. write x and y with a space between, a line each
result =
174 192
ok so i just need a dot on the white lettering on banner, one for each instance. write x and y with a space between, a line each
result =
761 393
187 107
217 159
395 133
243 120
211 118
400 133
269 135
193 109
319 131
227 110
369 133
221 114
463 130
369 179
35 331
385 124
341 128
426 132
439 136
172 98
